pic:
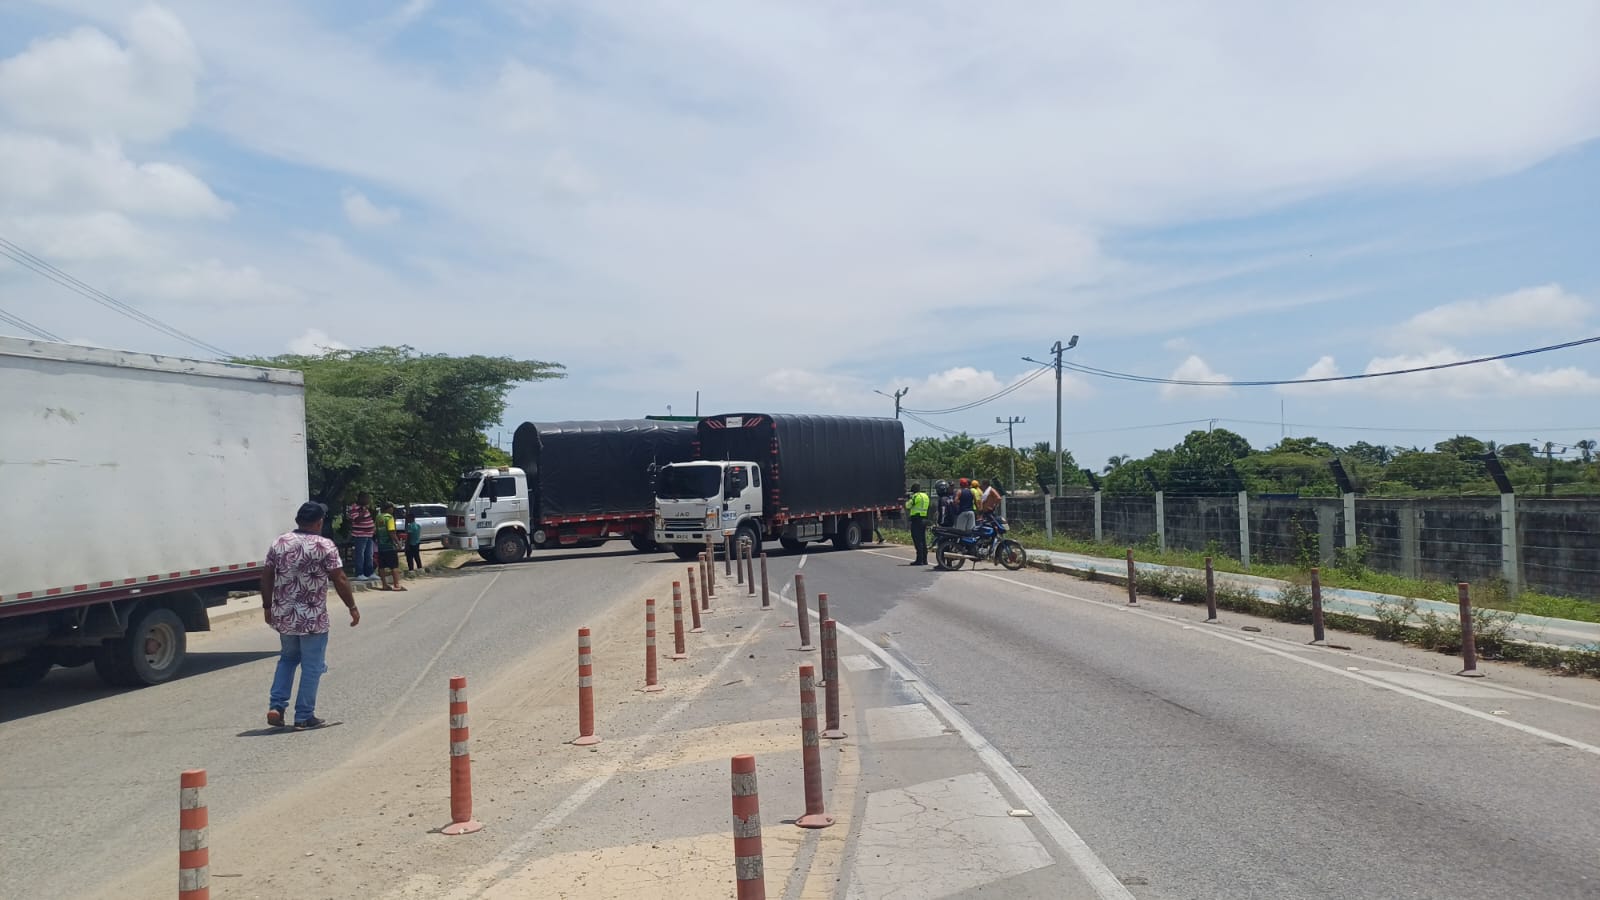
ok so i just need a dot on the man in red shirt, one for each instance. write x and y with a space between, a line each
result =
363 531
294 601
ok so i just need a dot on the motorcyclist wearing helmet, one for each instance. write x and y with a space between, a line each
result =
947 503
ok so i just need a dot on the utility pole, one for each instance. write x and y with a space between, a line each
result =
896 397
1057 349
1011 423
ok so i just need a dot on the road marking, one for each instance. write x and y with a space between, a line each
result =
511 856
902 723
1100 877
405 695
1439 685
803 558
855 662
909 835
1355 676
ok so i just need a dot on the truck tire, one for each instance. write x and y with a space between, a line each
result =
687 552
749 534
509 546
792 545
487 555
849 538
643 544
151 652
27 671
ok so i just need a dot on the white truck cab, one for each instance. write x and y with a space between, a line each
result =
697 499
489 513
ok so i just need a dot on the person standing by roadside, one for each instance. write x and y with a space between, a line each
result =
362 528
388 550
917 513
413 541
294 601
966 506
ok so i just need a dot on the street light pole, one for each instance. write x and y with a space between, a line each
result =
1057 349
1011 441
896 397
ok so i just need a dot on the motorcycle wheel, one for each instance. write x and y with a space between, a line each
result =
1011 555
946 556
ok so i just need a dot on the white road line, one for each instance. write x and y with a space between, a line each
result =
1354 676
1088 864
485 877
405 695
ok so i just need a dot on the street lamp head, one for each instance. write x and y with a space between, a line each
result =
1072 342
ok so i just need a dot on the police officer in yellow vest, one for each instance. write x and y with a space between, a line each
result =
917 513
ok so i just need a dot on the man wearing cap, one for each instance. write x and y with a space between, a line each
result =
917 515
966 506
294 601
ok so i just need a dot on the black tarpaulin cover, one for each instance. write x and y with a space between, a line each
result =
597 468
814 464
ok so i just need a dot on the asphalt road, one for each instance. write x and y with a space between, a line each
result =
1198 766
89 784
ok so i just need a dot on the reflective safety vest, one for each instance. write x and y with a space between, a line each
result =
917 505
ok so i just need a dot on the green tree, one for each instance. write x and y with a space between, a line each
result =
990 462
929 458
1276 472
1373 454
1462 447
398 423
1425 471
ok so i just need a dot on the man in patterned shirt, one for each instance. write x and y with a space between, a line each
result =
294 601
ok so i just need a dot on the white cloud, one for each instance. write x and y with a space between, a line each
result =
313 342
364 213
1547 307
1483 380
1194 369
86 84
798 389
213 281
39 173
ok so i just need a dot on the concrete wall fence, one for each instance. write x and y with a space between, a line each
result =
1551 546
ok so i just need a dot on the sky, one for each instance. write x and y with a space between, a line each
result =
807 207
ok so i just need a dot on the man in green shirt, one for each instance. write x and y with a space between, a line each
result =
917 515
388 550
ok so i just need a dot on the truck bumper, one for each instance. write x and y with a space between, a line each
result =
461 542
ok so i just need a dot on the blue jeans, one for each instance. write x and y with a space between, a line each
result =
361 558
309 652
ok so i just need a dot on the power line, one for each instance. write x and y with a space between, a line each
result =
29 327
1147 379
950 431
45 269
989 399
1417 429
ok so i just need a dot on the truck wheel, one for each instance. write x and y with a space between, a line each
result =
150 653
509 547
644 544
749 534
488 556
687 552
849 538
792 545
27 671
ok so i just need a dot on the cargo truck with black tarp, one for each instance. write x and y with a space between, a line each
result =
570 483
790 478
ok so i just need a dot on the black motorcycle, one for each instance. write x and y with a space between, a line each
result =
953 546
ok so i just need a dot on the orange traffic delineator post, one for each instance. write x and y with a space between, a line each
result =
1133 581
652 682
1469 640
1211 592
711 578
803 614
766 595
1319 631
736 556
822 616
748 868
461 821
727 553
830 673
822 605
811 752
586 736
194 826
705 586
694 605
678 651
750 570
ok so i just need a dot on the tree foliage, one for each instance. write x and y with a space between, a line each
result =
400 424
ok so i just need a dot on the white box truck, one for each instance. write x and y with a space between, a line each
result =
139 489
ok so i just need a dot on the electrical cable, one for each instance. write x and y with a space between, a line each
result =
47 270
950 431
29 327
1019 384
1147 379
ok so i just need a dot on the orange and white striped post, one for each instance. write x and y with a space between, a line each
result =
694 604
748 868
811 752
711 579
727 552
678 651
749 570
830 675
802 612
586 736
652 681
461 821
194 826
766 595
736 558
1133 581
822 605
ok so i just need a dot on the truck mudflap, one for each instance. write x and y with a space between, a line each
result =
461 542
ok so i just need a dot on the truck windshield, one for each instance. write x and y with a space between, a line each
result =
466 489
689 483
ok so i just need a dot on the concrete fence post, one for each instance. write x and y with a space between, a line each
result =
1161 521
1244 529
1510 549
1350 537
1049 523
1099 518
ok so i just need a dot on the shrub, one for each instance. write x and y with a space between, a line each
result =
1294 603
1393 618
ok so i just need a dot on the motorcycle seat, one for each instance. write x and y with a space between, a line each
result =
953 532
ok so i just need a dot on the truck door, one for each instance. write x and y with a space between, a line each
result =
742 496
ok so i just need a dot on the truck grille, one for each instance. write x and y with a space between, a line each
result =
695 524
